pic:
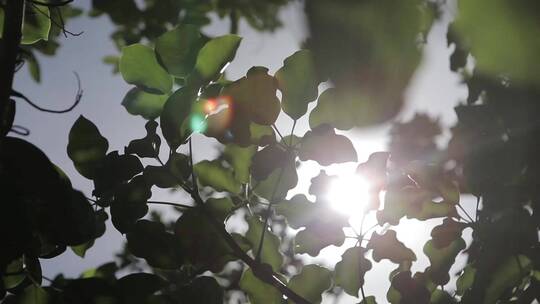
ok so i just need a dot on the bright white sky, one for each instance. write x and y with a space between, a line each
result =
434 89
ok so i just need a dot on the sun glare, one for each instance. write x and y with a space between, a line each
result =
349 194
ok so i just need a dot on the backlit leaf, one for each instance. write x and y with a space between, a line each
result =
213 174
350 271
177 49
270 247
311 282
139 66
326 147
258 291
214 56
139 102
387 246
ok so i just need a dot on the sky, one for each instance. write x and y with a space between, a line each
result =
434 89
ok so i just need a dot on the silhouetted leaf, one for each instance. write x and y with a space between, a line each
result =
115 170
267 160
333 110
148 105
147 146
139 66
387 246
129 203
137 287
213 174
150 241
204 290
262 110
410 290
328 230
447 232
86 147
369 300
350 271
311 282
326 147
214 56
174 117
298 211
276 186
177 49
298 82
220 208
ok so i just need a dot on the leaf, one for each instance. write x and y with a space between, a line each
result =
147 105
442 259
270 247
298 83
334 110
507 275
323 145
150 241
240 160
34 294
220 208
265 108
178 48
298 211
147 146
86 147
311 282
369 300
213 174
408 289
413 202
175 113
258 291
205 248
12 281
214 56
37 25
447 232
465 280
204 290
139 66
130 203
279 182
387 246
441 297
137 287
350 271
261 135
115 170
267 160
318 235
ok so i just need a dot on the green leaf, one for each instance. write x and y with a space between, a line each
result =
34 295
265 108
240 160
270 248
174 116
177 49
298 83
326 147
37 25
407 289
12 281
350 271
321 234
267 160
447 232
86 147
465 280
387 246
442 259
139 102
261 135
506 276
139 66
214 56
334 110
441 297
220 208
213 174
311 282
298 211
276 186
258 291
369 300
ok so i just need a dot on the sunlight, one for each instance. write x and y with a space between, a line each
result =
349 194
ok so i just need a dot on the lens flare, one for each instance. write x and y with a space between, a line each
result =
197 123
210 106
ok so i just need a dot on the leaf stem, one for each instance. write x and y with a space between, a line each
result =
171 204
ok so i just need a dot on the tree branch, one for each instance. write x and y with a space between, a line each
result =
55 4
9 45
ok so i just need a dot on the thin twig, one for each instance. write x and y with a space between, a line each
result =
171 204
78 98
20 130
462 209
59 25
277 131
